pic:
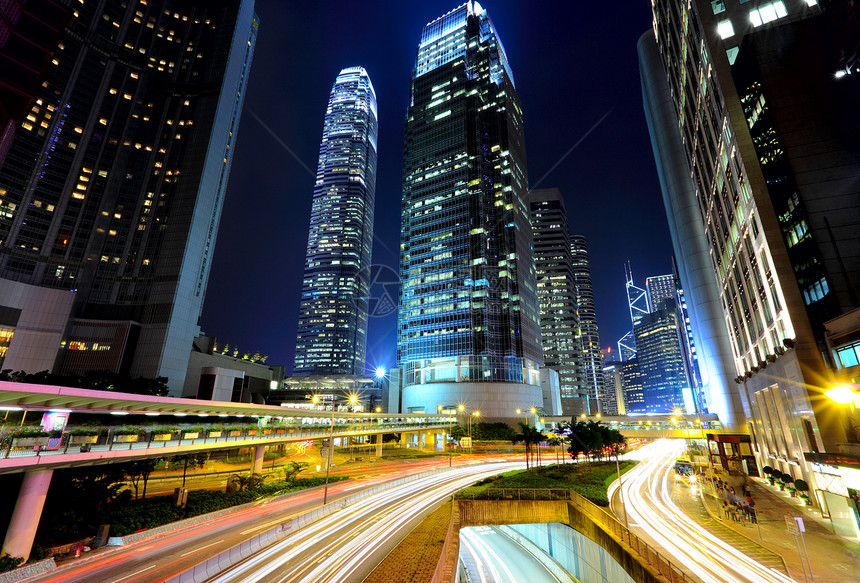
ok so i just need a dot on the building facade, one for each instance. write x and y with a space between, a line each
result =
659 288
332 330
111 192
661 359
764 95
589 335
557 297
468 320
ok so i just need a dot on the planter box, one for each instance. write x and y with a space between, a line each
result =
30 441
125 438
279 431
216 433
234 433
267 432
252 432
161 436
79 439
191 435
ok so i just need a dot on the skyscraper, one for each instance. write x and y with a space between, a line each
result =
557 295
468 321
661 358
332 331
111 192
754 125
592 378
659 288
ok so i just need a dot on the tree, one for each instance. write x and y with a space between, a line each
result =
243 482
292 470
140 470
578 438
195 460
529 436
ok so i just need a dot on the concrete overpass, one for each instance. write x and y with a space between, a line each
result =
192 426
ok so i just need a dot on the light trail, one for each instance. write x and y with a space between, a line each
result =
340 547
649 504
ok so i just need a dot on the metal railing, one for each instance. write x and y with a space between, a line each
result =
515 494
643 550
116 438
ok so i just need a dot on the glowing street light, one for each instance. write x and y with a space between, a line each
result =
380 372
843 394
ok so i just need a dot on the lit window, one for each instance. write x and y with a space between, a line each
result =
726 29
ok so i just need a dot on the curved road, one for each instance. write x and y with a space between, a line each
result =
160 557
489 555
652 513
347 545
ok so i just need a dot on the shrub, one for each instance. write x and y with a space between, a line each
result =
7 563
25 433
767 470
84 432
127 431
801 485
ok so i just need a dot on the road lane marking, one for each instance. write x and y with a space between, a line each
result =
136 573
201 548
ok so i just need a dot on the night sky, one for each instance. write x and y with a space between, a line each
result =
573 64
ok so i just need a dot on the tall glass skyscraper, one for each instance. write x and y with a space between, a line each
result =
112 189
468 325
557 294
332 331
589 336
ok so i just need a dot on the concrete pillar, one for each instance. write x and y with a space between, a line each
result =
378 445
257 464
404 439
428 444
28 510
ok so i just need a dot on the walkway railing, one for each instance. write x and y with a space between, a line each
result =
116 438
515 494
646 552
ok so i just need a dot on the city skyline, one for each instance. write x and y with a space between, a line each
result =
596 194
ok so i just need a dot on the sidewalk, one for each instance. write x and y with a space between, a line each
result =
833 559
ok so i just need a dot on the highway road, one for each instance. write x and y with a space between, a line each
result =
489 555
655 517
158 558
346 546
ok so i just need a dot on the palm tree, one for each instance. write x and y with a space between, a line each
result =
525 437
244 482
529 436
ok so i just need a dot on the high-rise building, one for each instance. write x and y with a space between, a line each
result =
637 304
332 330
592 377
468 323
753 117
612 398
659 288
661 359
556 290
633 386
111 192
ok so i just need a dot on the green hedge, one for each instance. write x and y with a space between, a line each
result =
590 480
148 513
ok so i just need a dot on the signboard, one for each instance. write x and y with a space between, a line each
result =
465 442
794 525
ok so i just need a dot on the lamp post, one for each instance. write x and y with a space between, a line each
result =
474 414
353 399
439 409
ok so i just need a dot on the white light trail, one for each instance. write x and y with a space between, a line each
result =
649 504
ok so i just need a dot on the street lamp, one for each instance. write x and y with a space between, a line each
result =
474 414
439 408
353 399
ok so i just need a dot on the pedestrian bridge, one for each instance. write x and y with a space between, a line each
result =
143 426
650 426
